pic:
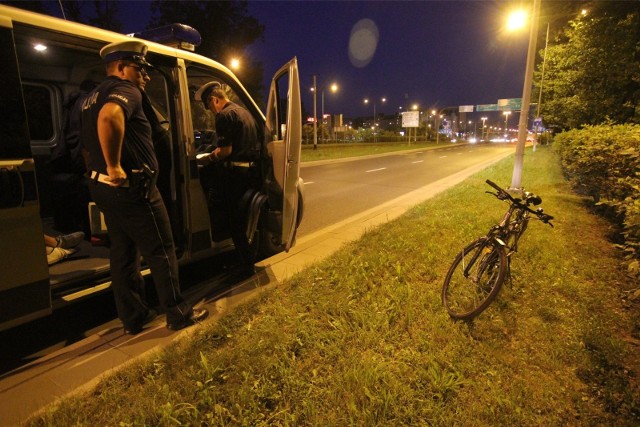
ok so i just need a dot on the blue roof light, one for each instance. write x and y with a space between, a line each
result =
174 35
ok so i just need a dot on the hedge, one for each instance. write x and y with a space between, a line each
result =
604 162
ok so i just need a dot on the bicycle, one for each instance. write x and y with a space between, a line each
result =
479 270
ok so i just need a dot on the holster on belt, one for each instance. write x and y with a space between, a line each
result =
144 181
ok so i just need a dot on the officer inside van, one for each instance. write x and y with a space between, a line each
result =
123 168
237 135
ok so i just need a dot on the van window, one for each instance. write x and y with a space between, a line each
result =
39 102
14 138
156 88
203 118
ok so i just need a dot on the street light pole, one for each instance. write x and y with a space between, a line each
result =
315 115
484 119
334 88
516 180
322 136
544 61
506 123
366 101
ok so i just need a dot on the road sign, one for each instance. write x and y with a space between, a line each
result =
487 107
466 109
510 104
411 119
537 124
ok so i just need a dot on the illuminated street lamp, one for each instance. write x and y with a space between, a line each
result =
516 180
235 63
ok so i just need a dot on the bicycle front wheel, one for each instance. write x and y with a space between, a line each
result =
474 279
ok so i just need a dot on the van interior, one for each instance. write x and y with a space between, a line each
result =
56 67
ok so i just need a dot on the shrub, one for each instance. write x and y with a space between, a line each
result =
604 162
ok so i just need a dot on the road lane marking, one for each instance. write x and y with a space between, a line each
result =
375 170
418 161
309 182
442 157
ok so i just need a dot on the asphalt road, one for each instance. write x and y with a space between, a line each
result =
333 192
337 190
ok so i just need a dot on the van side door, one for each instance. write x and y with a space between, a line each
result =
284 127
24 274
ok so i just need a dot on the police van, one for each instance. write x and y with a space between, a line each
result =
45 60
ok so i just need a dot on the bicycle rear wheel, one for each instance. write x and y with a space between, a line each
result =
474 279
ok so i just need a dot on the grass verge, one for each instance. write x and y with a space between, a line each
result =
362 338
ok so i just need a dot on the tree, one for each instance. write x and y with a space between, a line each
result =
32 5
226 29
106 13
592 70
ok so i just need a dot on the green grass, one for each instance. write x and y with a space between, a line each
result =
339 151
362 338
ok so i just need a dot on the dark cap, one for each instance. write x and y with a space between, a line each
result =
204 92
130 50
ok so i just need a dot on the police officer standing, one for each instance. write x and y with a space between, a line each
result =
123 169
237 136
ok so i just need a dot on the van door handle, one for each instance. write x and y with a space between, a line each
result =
11 188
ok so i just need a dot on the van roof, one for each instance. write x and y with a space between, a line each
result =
9 14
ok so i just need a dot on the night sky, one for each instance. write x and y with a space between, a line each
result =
432 53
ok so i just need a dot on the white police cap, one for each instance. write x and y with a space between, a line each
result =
132 50
202 94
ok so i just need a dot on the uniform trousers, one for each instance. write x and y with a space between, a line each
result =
139 227
226 192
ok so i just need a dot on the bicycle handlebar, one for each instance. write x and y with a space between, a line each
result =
502 195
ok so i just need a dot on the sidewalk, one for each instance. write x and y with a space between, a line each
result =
80 366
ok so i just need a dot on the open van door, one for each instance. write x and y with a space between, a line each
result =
284 127
24 274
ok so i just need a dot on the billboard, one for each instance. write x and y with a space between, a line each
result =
411 119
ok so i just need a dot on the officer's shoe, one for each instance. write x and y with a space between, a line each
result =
197 315
135 329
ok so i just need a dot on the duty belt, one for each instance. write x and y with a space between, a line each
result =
97 176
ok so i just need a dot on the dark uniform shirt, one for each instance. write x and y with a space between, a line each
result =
137 147
236 127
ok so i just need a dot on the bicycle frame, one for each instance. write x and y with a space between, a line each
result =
513 225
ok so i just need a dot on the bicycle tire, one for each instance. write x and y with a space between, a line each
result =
466 296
